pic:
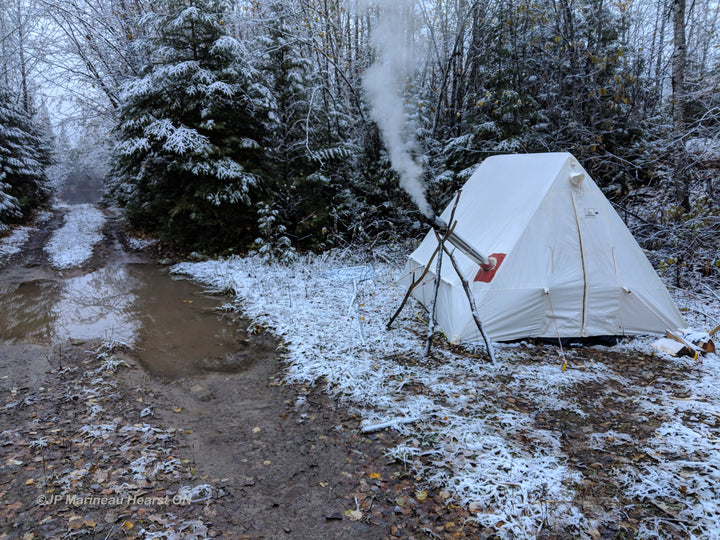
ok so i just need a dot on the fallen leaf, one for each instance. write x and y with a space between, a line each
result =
178 409
421 495
127 526
354 515
29 482
374 475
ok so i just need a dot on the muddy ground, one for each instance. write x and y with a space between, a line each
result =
91 445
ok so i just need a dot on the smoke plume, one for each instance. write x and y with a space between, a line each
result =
383 82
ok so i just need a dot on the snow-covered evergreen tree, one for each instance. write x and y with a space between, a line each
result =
549 77
273 242
299 143
189 154
25 155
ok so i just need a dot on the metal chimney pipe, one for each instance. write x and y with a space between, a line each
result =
486 263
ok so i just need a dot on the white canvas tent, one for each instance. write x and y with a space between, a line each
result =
567 264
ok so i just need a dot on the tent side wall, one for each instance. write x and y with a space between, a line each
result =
538 290
624 293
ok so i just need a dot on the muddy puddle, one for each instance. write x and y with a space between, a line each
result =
174 327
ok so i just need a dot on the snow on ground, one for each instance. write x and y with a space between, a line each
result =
140 243
13 243
72 244
331 311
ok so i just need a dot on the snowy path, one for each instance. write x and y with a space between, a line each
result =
72 244
511 473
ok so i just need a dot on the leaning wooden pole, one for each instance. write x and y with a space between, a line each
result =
471 300
411 288
436 289
414 284
438 268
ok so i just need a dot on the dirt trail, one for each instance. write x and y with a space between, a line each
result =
281 461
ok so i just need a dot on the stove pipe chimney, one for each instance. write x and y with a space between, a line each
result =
485 263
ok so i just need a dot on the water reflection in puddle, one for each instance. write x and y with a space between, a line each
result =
25 314
174 328
100 305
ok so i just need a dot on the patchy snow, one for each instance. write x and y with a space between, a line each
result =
13 242
138 244
73 243
705 148
331 310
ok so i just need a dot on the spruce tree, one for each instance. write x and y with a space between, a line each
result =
25 155
297 198
189 154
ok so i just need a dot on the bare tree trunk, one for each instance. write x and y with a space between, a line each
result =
662 17
457 61
23 71
568 21
679 60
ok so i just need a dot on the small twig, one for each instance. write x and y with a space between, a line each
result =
711 291
389 423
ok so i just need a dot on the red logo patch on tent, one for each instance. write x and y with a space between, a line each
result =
486 275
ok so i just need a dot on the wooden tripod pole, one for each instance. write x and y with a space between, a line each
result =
436 289
438 276
411 288
471 301
414 284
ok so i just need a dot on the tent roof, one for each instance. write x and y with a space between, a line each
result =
498 202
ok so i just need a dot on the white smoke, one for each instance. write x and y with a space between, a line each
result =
382 82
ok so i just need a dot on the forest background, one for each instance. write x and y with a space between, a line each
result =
235 126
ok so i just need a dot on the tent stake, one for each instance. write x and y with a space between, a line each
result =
471 300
